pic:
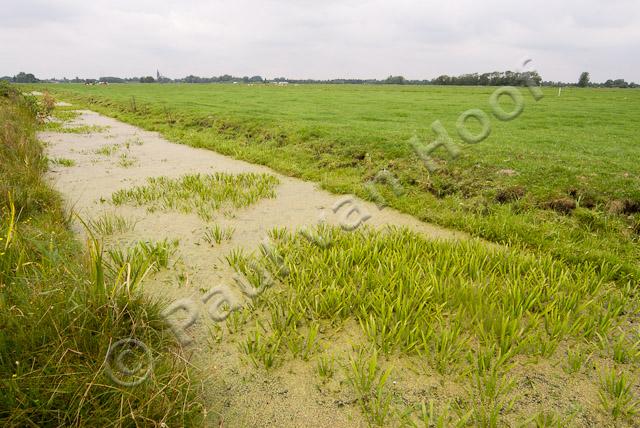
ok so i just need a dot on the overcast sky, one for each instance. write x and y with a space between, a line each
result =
321 38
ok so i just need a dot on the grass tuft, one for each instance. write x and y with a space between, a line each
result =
203 194
110 224
216 234
62 162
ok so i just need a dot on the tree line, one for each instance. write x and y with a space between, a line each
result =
585 81
494 78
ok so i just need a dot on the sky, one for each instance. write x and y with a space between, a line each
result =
419 39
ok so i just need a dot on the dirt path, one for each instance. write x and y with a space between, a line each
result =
240 396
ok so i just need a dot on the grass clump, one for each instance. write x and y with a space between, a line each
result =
576 359
369 383
110 224
127 161
60 312
261 349
216 234
65 114
136 141
325 366
430 416
62 162
107 149
201 193
616 395
135 262
62 127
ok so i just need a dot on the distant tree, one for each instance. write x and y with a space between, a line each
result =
395 80
256 79
583 81
147 79
620 83
495 78
24 78
442 80
532 75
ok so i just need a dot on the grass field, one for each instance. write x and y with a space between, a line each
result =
561 178
540 332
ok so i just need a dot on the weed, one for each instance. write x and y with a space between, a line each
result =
550 419
491 397
135 141
616 395
216 334
448 346
625 350
111 224
430 417
203 194
48 103
368 382
326 366
296 342
278 233
137 261
127 161
576 359
216 234
65 114
54 126
107 149
261 349
237 320
63 162
236 258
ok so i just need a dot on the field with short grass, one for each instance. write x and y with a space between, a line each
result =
562 177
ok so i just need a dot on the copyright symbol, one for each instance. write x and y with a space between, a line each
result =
128 362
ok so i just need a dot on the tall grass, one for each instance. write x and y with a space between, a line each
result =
59 313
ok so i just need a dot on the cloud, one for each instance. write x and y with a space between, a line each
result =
349 38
